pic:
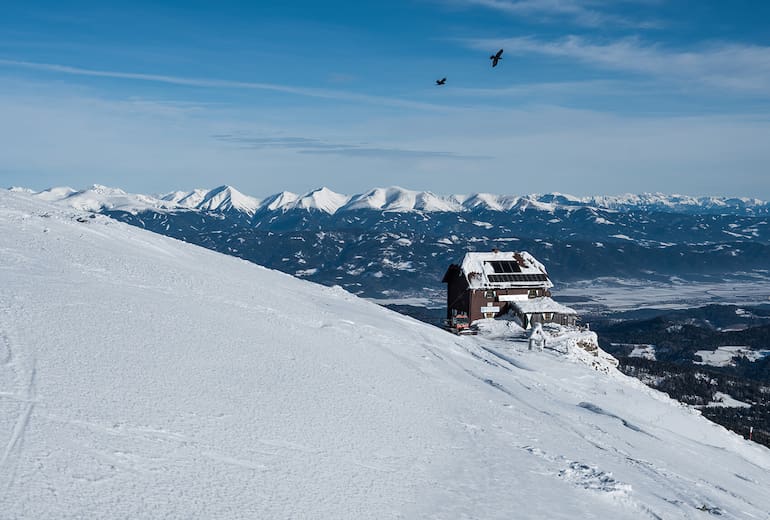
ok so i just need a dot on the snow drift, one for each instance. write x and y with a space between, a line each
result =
141 377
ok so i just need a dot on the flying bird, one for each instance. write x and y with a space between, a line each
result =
496 57
441 81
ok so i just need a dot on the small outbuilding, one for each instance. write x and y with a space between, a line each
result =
543 310
491 284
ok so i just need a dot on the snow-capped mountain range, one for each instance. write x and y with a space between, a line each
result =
142 377
390 242
228 199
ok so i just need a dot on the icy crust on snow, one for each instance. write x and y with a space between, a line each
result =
575 343
142 377
500 328
581 345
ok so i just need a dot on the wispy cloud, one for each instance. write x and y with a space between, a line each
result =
552 88
308 145
731 66
338 95
587 13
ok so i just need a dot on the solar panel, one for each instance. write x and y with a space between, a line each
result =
502 278
504 266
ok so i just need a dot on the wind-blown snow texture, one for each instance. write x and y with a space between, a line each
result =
141 377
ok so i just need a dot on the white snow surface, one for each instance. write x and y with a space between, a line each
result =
142 377
542 304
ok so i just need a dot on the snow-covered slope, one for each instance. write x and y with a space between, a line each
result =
141 377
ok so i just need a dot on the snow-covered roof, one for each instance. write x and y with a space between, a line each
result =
540 305
498 269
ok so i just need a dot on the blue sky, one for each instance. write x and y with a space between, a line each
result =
591 97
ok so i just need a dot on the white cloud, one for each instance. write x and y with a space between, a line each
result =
338 95
730 66
587 13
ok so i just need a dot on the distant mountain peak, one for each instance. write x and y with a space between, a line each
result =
226 198
279 201
322 199
100 189
187 199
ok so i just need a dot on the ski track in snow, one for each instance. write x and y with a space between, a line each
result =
599 410
586 476
23 396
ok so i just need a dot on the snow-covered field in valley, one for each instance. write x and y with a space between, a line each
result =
724 356
141 377
618 294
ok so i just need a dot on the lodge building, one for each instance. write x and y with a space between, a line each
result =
492 284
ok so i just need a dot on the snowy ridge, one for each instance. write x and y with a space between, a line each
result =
186 199
124 396
279 201
227 198
98 198
400 199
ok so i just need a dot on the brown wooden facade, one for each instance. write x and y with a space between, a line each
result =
483 302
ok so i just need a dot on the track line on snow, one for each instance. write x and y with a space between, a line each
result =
680 486
508 359
12 452
6 356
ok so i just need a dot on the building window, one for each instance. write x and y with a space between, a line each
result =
489 294
533 293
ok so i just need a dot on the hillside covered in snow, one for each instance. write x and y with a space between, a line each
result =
142 377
